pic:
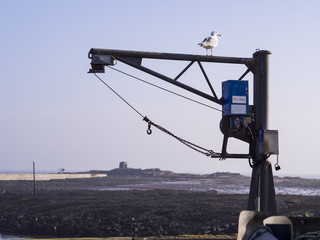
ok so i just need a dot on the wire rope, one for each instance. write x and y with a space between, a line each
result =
164 89
119 96
193 146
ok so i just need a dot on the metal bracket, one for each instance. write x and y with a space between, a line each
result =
243 134
98 62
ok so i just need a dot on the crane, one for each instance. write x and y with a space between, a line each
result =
248 123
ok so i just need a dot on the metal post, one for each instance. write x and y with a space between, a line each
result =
262 193
34 178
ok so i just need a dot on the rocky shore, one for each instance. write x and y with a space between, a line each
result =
75 208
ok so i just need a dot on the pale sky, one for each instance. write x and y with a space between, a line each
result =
54 113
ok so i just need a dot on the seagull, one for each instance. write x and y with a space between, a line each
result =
210 42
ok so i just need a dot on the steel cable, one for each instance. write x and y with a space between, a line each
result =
193 146
154 85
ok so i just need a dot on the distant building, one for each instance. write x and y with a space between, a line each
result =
123 165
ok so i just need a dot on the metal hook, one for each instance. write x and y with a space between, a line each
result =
149 131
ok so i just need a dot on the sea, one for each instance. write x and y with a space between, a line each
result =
203 186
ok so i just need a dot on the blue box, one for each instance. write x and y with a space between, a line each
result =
235 98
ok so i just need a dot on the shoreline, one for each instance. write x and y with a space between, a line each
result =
154 179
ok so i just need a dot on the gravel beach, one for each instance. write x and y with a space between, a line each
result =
77 208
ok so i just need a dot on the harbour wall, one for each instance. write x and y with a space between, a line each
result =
45 177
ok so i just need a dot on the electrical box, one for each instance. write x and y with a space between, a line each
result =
268 142
235 98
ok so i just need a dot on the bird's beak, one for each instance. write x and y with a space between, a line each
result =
219 35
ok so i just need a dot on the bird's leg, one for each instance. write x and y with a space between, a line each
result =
206 52
211 51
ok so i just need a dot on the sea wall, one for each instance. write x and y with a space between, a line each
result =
50 176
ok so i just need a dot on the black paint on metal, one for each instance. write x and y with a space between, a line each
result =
183 71
245 73
207 79
170 80
262 193
170 56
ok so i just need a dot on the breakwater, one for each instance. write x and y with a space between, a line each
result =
46 177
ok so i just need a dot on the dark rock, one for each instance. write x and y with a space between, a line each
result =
71 208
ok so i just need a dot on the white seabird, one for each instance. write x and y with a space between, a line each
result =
210 42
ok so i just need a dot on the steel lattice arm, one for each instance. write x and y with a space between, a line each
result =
101 57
